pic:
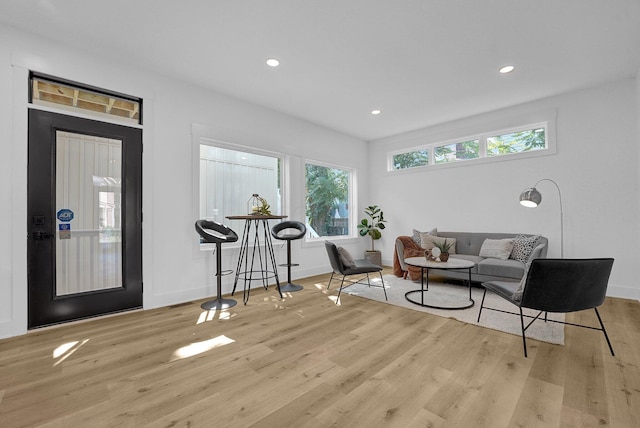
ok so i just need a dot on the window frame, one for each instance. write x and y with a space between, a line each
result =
352 201
549 128
201 135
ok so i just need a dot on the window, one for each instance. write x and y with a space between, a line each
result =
457 151
328 201
517 142
55 92
411 159
229 175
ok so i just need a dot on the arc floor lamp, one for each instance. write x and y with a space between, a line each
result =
531 198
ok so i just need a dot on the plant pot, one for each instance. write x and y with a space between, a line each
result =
374 257
444 257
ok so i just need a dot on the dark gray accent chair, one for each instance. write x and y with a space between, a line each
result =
362 267
557 285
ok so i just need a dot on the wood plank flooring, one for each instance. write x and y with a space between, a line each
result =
305 362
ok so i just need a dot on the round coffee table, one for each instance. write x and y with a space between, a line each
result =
439 301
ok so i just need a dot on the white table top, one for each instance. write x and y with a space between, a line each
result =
452 263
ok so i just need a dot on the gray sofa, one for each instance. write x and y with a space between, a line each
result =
468 246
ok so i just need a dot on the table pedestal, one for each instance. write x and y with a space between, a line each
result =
251 266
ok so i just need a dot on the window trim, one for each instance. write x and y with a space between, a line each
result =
547 123
200 133
352 201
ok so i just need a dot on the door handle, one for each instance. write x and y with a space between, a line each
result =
39 235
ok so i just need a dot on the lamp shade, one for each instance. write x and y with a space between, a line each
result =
530 198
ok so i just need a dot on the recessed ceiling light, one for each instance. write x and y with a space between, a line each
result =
506 69
272 62
376 111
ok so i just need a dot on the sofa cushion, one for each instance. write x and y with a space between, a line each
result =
517 295
471 258
496 248
428 241
522 247
345 258
503 268
417 238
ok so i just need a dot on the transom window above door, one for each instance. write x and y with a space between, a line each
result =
50 91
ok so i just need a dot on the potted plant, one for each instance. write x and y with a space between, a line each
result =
372 228
444 248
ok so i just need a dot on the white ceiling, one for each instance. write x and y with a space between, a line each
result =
421 62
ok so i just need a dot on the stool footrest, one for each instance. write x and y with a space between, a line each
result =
227 272
292 264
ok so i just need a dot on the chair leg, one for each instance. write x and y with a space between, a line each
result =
340 290
330 279
606 336
481 304
404 274
383 287
524 340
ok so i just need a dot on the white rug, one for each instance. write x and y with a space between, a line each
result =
397 287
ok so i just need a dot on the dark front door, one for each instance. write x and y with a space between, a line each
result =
84 221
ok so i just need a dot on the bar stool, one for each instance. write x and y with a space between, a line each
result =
217 233
289 231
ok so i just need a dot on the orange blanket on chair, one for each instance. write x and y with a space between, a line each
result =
411 249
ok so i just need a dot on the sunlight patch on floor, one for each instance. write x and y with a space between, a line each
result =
65 350
206 316
197 348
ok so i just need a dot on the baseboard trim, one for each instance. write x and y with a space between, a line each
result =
6 329
623 292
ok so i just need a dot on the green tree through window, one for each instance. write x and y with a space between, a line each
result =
457 151
523 141
327 200
411 159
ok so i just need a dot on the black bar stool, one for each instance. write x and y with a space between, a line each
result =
289 231
217 233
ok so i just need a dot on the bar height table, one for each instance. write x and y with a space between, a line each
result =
266 259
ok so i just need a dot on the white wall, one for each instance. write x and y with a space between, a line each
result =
596 167
172 271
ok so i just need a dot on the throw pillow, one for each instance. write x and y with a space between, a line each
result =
496 248
523 247
416 235
346 258
517 296
429 241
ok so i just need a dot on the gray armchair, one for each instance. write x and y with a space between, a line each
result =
360 267
556 285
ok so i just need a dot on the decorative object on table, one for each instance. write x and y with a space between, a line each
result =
531 198
442 248
432 254
257 205
373 229
428 242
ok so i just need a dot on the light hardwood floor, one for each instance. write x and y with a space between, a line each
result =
306 362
